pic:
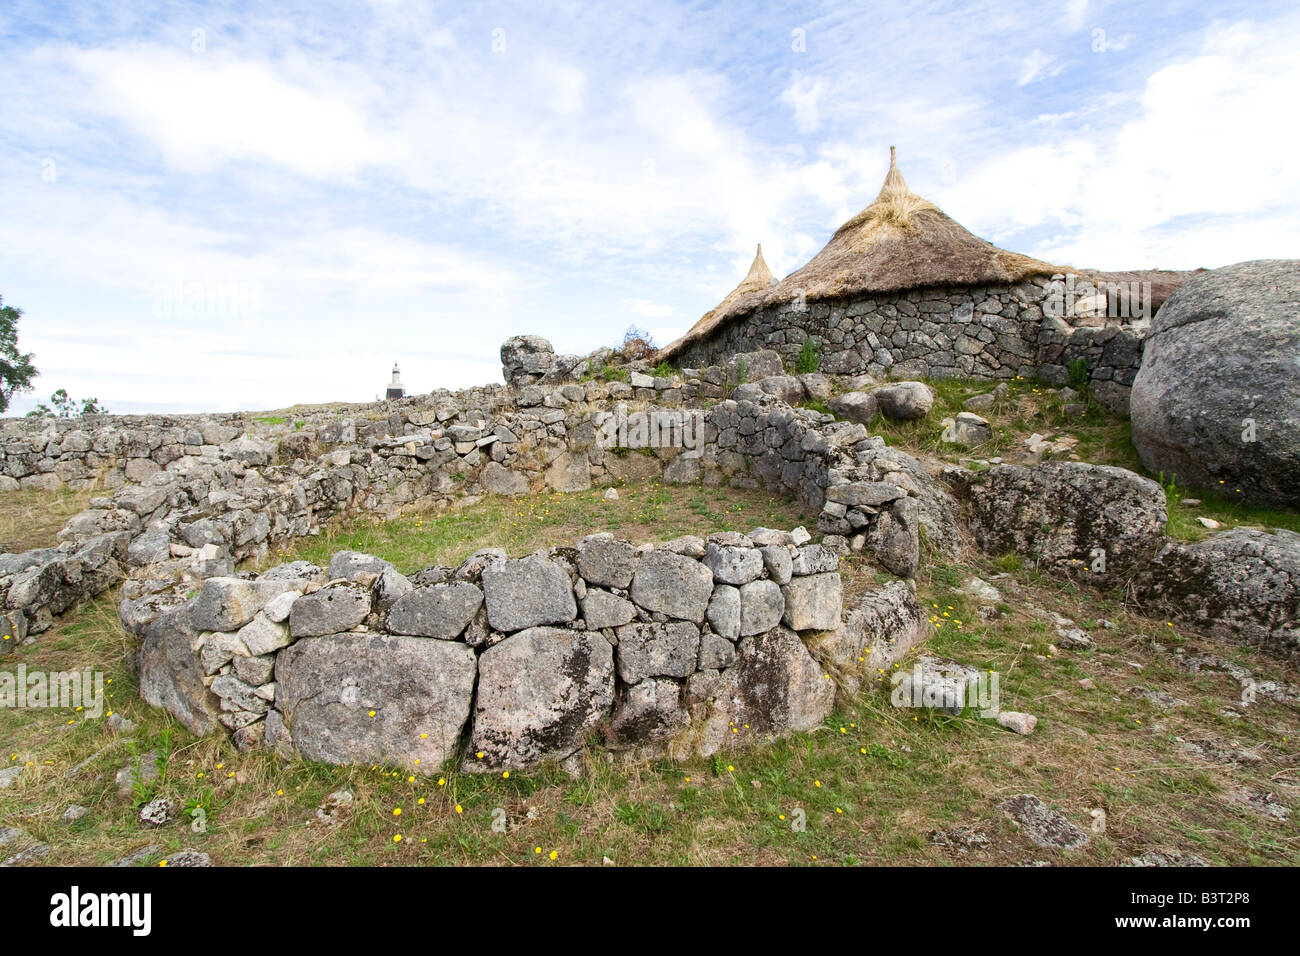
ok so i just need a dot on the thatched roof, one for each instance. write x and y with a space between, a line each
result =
757 280
897 243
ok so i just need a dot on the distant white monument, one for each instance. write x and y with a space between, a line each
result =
395 388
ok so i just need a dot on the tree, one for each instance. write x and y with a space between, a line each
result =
16 370
64 406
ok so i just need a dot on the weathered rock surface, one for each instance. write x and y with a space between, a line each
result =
1217 397
1045 827
855 406
171 676
657 650
1241 585
331 610
647 714
967 429
886 623
1073 518
528 592
226 604
672 584
762 606
606 561
539 692
754 366
372 698
733 565
526 358
601 609
774 688
814 602
895 537
440 610
905 401
936 683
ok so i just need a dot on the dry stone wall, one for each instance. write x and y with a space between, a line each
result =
683 648
218 504
105 451
993 332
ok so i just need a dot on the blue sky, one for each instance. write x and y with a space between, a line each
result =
224 206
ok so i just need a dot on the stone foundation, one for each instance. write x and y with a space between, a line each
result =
679 649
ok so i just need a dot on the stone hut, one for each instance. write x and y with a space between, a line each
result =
902 289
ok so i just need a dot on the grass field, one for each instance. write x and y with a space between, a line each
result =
31 519
872 784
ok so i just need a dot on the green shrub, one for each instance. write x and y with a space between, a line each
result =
1078 375
809 358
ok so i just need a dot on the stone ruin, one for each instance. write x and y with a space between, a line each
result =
677 648
684 648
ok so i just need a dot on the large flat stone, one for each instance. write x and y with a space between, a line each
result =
440 610
813 603
327 687
528 592
539 692
672 584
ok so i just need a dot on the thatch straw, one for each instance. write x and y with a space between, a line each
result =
757 281
897 243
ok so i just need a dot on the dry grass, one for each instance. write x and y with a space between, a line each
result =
31 519
644 512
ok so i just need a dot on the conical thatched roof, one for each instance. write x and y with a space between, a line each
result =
757 280
899 242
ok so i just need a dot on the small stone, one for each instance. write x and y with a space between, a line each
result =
74 813
117 724
28 855
189 858
1074 638
277 609
1020 723
1043 825
139 856
160 812
145 774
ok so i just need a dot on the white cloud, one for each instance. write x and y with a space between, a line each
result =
1036 66
567 84
802 96
1197 172
203 109
646 309
1076 12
